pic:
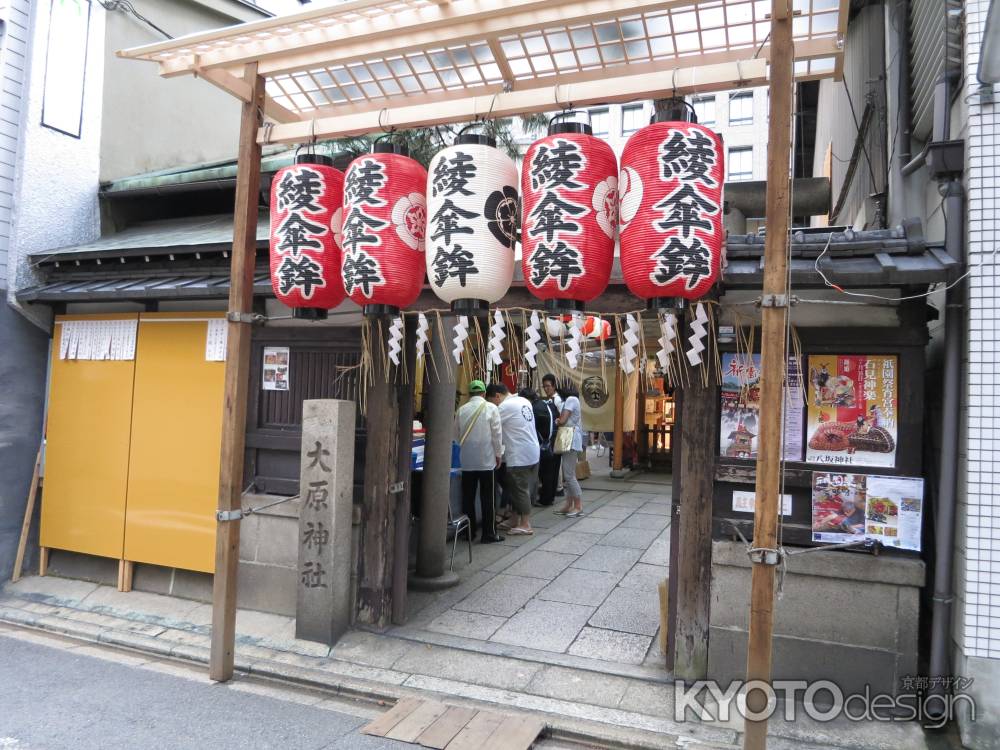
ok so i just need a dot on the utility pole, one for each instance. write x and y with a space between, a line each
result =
774 312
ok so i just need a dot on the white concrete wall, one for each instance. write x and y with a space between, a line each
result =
978 610
55 174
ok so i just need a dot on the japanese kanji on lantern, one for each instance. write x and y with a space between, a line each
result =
472 223
382 234
670 214
569 190
305 223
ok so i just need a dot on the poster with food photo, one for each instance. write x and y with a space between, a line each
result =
852 403
275 368
852 507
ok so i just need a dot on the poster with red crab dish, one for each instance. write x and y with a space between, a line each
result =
852 409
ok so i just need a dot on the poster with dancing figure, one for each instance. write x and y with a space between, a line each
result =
852 410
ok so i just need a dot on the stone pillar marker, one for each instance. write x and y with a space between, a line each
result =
323 603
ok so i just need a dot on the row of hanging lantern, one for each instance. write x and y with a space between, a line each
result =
387 222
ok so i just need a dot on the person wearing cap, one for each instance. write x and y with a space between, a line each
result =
478 433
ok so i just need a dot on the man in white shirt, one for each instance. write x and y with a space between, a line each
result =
478 433
520 454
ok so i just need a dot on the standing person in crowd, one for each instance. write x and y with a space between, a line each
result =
572 416
546 414
478 433
551 395
520 454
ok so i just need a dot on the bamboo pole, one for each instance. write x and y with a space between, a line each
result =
234 414
774 310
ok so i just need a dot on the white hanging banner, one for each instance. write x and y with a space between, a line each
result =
497 335
531 339
461 334
698 334
98 339
423 327
395 339
216 338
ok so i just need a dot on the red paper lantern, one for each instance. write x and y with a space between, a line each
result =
384 223
569 189
670 210
305 221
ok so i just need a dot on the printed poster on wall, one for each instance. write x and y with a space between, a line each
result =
852 410
275 368
740 394
852 507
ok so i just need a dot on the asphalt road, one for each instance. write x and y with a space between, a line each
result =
62 696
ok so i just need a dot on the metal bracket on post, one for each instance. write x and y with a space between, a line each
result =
774 300
764 555
395 488
228 515
242 317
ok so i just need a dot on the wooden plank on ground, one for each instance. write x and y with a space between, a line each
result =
664 614
392 717
515 733
443 731
476 732
413 725
29 511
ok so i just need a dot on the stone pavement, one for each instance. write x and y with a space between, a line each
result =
580 592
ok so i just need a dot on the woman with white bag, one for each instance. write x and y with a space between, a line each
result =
569 443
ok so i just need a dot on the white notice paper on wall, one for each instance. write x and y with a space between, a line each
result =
98 339
744 502
215 341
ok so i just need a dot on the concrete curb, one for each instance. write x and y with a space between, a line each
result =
580 731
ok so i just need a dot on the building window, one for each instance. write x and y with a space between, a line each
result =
704 108
741 108
632 119
600 121
740 162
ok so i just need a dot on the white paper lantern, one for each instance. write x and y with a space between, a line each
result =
471 223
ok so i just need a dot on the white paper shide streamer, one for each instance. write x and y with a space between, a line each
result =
531 339
423 327
698 333
666 340
575 340
497 335
631 344
461 334
395 339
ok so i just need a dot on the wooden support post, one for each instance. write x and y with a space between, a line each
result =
774 313
29 511
237 377
43 561
401 545
617 462
692 564
378 512
125 570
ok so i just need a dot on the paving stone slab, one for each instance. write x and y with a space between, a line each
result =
579 685
469 667
541 564
656 508
466 624
626 500
544 625
640 520
370 649
503 595
578 586
611 645
51 588
644 577
610 511
658 553
652 700
630 611
629 537
608 559
570 543
594 525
